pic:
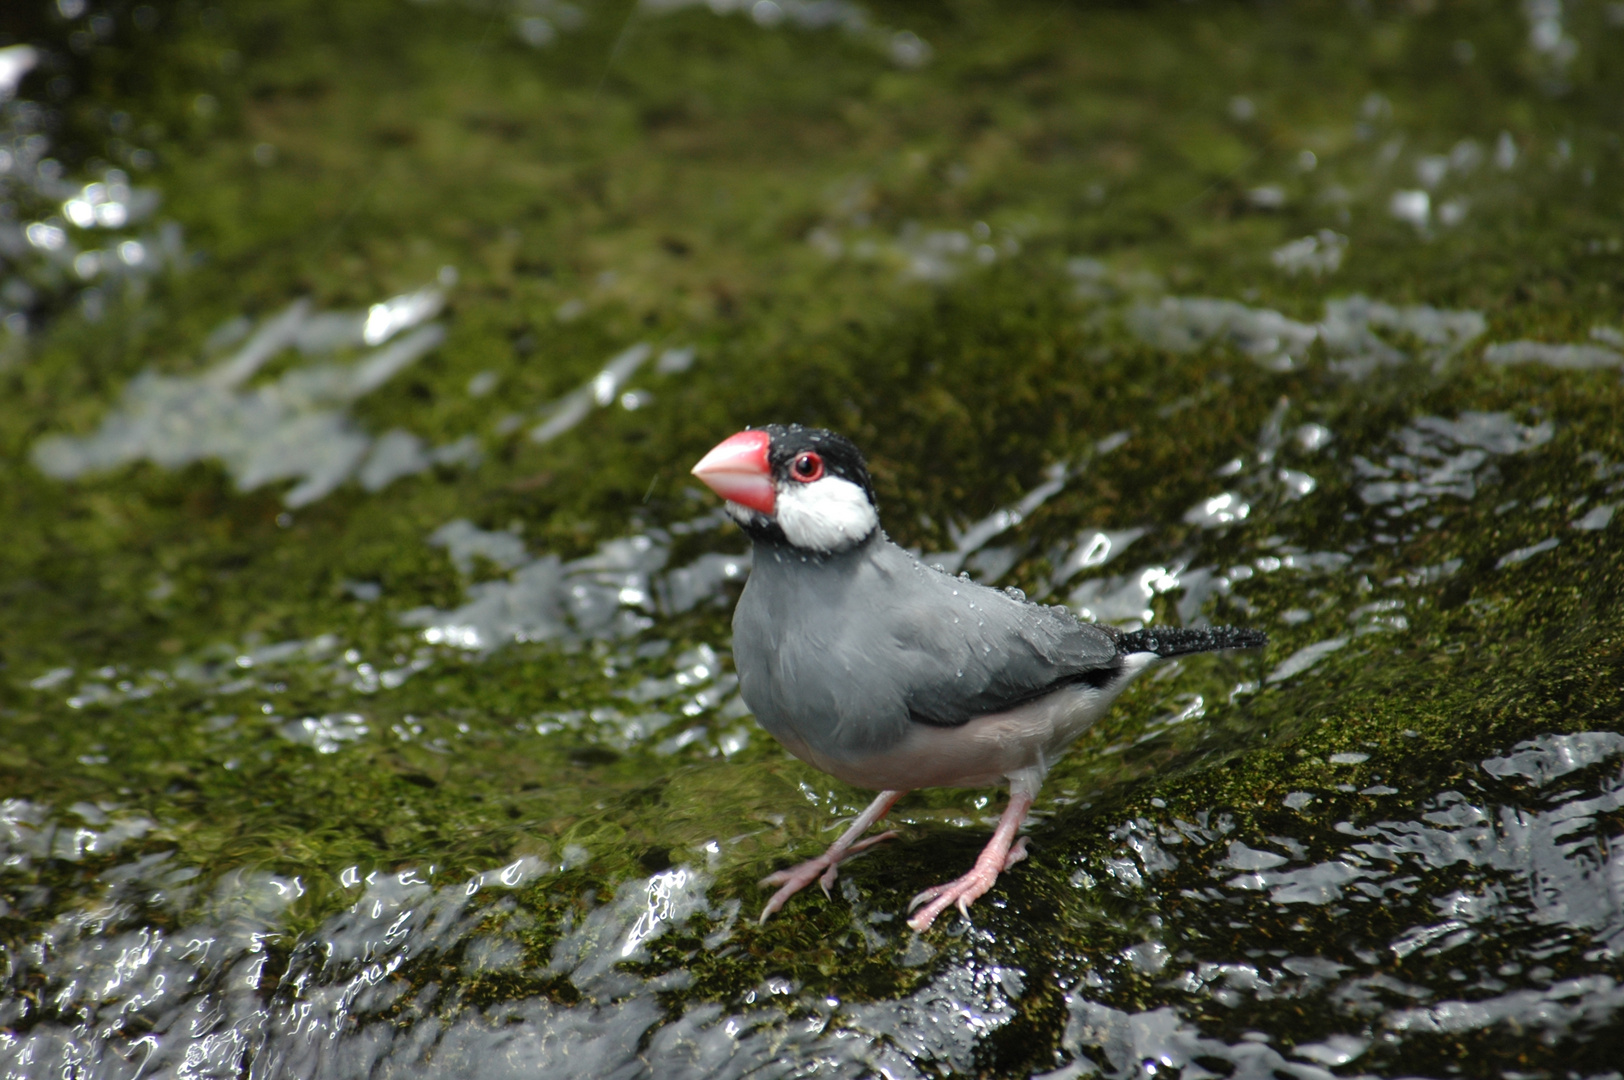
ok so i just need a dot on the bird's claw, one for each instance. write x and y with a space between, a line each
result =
1017 852
825 870
961 892
831 875
793 881
864 845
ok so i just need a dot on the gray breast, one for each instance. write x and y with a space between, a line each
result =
846 655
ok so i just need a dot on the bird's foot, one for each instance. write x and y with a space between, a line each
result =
825 870
965 890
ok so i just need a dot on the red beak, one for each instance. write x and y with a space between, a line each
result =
737 470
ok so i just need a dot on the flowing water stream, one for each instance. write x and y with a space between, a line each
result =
365 679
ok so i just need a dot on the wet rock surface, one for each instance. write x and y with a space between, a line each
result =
365 682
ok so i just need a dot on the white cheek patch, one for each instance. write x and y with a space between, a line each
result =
825 515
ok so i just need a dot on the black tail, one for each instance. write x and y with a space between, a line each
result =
1177 641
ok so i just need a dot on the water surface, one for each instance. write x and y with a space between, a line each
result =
367 693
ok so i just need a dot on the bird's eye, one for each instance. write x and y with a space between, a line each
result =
807 468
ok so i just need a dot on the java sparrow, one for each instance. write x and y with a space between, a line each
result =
893 675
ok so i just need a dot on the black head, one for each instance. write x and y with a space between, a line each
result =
839 455
793 486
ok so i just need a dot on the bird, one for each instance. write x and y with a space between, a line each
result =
894 675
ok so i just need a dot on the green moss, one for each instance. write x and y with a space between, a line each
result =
666 172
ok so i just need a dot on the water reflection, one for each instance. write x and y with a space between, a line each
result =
613 593
1520 861
1576 357
53 227
904 48
1444 458
294 428
1348 331
1462 901
604 389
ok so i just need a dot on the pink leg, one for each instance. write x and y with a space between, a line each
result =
1002 852
825 868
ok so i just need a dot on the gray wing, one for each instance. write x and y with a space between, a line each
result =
981 651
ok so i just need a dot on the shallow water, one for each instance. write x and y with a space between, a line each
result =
366 688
